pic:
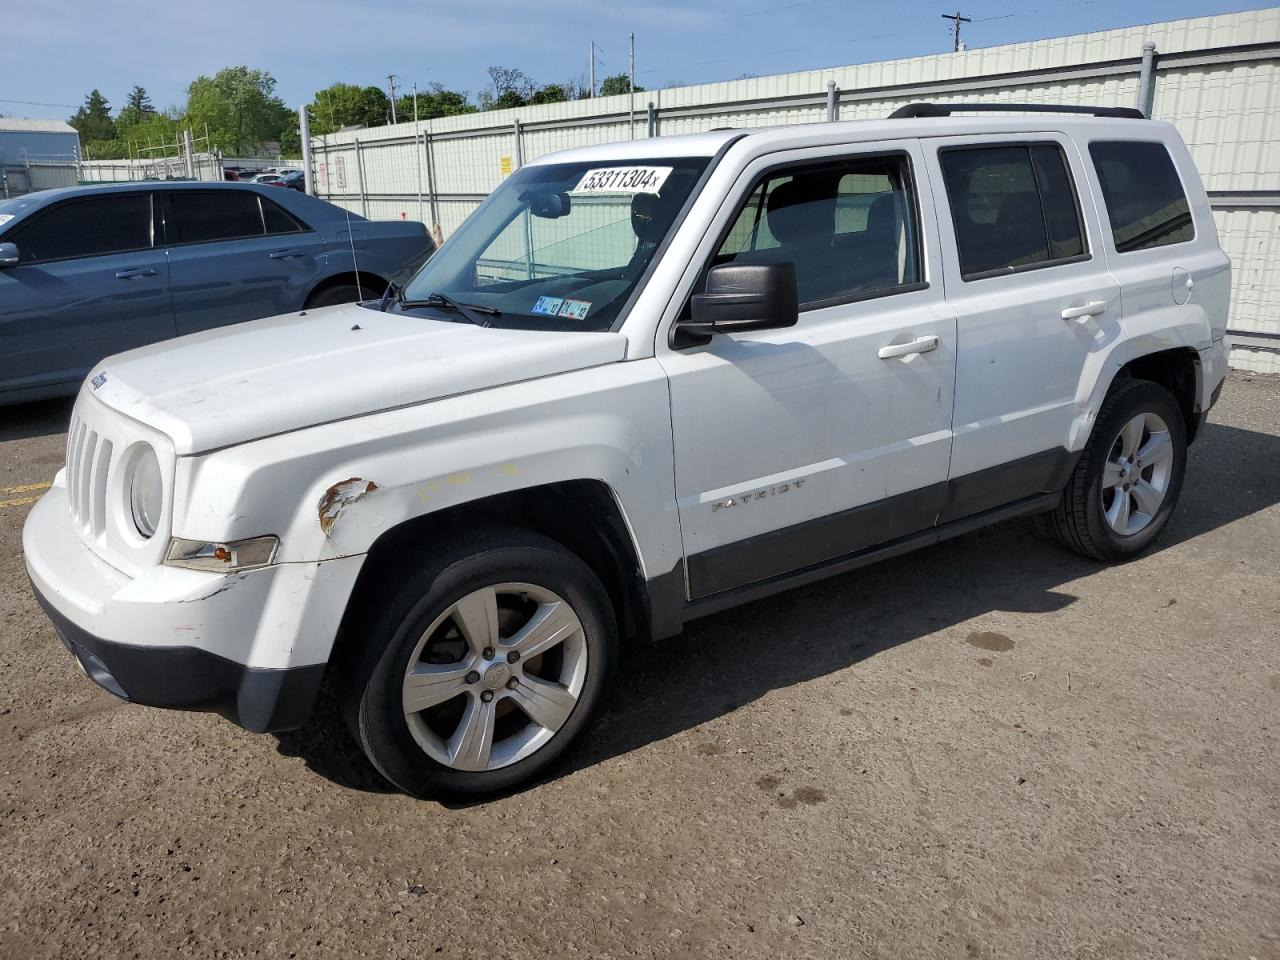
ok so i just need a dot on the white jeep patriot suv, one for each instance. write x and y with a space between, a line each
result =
644 382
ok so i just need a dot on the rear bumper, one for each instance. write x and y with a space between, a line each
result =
188 678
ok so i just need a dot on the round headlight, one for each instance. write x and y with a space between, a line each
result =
146 492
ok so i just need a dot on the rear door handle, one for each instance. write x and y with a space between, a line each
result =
1090 309
287 254
135 273
918 345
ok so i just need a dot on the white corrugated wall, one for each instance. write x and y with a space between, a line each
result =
1217 78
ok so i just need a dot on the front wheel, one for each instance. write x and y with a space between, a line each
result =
483 667
1127 481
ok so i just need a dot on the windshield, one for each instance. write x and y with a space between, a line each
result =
560 246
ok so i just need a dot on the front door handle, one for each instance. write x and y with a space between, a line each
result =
135 273
287 254
1090 309
918 345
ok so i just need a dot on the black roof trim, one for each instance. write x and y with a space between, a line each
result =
946 109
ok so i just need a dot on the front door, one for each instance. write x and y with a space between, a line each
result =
1035 304
90 282
798 446
235 256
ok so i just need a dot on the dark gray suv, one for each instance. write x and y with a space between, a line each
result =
87 272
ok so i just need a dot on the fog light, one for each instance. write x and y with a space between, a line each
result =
227 557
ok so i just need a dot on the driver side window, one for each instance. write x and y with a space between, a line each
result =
848 227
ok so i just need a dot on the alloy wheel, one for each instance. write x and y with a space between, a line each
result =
495 676
1137 473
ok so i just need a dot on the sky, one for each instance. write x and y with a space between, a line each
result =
56 51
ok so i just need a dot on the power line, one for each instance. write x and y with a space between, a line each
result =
38 103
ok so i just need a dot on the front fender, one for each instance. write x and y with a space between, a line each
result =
330 491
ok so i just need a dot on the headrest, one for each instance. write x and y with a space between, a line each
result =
651 215
882 217
801 211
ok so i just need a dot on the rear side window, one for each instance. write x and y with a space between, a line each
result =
87 228
1145 200
201 216
277 219
848 227
1014 208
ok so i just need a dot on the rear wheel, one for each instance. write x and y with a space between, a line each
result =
482 668
342 293
1127 481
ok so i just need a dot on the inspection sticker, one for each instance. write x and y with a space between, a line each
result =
548 305
575 309
622 180
5 218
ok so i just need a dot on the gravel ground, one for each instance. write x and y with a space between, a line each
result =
989 748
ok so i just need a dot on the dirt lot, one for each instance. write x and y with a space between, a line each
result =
990 748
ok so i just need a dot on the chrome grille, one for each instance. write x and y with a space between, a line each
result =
88 461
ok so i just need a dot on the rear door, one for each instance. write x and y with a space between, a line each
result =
1035 304
91 282
235 255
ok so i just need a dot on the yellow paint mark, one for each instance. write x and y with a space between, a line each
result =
26 487
18 502
509 469
459 478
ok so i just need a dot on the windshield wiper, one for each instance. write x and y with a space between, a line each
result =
467 310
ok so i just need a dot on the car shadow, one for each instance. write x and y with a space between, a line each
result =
730 659
40 418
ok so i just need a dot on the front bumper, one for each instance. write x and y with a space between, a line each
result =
250 646
188 678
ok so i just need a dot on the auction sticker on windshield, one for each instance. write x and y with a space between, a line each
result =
623 180
5 218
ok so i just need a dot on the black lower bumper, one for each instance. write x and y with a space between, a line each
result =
188 678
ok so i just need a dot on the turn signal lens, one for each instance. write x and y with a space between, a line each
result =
227 557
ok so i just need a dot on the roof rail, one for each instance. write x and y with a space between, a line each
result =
946 109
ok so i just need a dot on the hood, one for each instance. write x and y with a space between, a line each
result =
230 385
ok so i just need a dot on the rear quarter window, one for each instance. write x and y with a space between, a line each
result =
1143 194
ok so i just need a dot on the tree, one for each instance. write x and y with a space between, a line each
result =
434 102
138 101
551 93
93 120
618 83
345 105
240 108
511 88
137 107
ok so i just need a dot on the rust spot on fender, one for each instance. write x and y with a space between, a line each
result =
340 496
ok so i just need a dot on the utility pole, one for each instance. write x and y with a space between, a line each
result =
631 89
391 85
591 70
957 19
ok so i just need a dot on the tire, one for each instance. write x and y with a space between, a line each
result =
1113 507
439 623
342 293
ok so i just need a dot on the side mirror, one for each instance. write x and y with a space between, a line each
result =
8 255
742 296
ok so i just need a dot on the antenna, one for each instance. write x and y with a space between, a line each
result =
351 239
957 19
